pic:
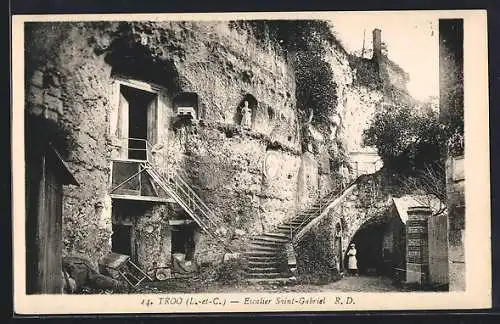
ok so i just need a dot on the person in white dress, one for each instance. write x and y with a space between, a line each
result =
352 261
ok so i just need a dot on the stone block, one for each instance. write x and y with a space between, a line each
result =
54 91
415 273
37 110
51 115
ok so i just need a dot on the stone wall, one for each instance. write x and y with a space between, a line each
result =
359 109
69 84
253 179
455 190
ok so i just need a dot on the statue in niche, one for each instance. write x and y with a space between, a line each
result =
246 116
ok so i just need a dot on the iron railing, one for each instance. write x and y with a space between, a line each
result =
176 187
138 149
182 193
316 209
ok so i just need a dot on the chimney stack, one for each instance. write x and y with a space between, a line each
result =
377 43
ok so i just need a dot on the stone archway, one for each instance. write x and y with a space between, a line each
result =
369 240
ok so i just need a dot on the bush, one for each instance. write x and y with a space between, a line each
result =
231 271
407 139
315 256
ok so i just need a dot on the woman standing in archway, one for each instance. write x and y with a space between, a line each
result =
352 261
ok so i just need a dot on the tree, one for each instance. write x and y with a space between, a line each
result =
412 142
407 139
428 186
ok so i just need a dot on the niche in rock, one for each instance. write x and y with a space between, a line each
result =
186 108
246 111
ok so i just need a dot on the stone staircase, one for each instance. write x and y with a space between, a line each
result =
266 253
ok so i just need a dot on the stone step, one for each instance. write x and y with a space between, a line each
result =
263 259
270 281
263 263
278 239
262 247
260 253
264 275
275 235
283 230
286 228
272 245
262 270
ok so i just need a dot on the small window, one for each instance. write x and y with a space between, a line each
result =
186 105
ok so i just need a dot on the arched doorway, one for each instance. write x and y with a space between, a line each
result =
369 239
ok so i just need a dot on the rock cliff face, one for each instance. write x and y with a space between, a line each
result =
252 178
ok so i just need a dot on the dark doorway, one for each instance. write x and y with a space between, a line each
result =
183 240
368 242
121 240
141 120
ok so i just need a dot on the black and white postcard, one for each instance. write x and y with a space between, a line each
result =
250 162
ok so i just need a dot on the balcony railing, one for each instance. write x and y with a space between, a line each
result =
138 149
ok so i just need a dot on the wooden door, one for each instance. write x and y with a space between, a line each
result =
123 125
44 228
152 115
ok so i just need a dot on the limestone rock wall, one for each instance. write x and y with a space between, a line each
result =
455 190
71 80
360 105
253 179
70 85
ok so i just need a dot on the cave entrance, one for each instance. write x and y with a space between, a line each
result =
139 107
124 215
121 239
369 241
183 240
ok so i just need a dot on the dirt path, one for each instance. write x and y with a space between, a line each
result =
346 284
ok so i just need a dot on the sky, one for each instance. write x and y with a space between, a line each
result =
412 41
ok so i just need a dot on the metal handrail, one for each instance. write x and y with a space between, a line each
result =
194 195
156 175
147 146
183 195
191 195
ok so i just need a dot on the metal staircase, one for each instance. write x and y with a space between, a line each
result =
172 185
185 196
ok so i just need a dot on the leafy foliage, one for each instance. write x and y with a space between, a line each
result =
304 43
407 138
427 186
231 271
315 88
